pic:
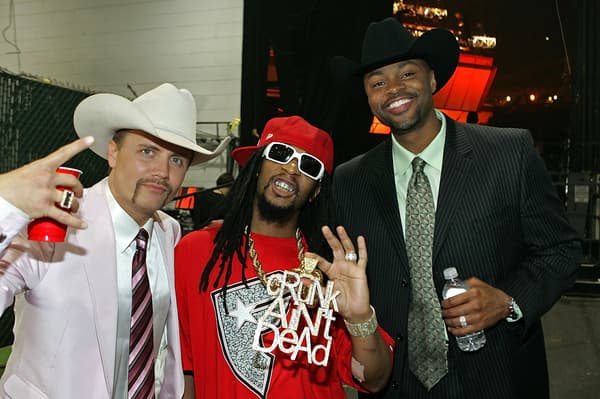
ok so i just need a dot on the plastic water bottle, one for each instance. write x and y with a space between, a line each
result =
454 286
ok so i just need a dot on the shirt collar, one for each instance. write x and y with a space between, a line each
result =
433 154
126 229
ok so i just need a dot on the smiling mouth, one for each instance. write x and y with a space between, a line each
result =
398 103
284 186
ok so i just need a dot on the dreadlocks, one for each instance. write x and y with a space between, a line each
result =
232 237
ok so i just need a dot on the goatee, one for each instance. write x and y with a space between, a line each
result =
272 213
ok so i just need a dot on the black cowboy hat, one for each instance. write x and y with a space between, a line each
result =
388 41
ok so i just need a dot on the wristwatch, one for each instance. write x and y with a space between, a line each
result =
514 311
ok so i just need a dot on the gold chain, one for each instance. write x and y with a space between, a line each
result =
306 266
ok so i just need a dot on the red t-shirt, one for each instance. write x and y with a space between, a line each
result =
217 346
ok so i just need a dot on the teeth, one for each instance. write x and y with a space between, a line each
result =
284 186
398 103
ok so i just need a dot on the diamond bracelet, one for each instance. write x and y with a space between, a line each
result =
363 329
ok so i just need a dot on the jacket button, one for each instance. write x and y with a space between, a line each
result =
399 337
404 282
395 385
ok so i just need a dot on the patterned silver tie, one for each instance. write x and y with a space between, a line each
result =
427 346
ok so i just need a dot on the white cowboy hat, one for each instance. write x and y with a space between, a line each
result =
165 112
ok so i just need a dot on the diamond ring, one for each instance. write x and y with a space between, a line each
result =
463 321
351 256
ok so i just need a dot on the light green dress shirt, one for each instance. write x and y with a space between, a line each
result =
402 159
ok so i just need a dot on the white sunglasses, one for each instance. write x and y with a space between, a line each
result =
282 153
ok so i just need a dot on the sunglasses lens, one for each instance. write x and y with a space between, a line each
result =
280 152
310 165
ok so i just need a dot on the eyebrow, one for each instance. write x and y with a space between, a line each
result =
373 73
401 64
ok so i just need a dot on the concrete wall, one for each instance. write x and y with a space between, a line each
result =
106 45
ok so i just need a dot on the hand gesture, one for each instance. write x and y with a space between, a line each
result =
347 271
33 187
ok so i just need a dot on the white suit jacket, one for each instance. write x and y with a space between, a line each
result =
66 310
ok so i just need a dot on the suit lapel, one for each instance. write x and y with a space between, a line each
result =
456 172
380 177
99 263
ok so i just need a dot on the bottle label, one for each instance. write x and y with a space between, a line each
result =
454 291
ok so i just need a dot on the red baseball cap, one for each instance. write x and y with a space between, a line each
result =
292 130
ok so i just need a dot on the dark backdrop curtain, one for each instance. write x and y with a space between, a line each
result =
305 36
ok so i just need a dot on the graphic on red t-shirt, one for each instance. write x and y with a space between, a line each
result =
236 329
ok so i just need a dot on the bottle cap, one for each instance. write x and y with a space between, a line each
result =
450 273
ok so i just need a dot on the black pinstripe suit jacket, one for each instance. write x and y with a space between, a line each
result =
498 218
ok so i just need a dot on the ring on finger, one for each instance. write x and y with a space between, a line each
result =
67 199
463 321
351 256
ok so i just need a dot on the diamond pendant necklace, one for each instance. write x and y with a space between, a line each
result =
307 265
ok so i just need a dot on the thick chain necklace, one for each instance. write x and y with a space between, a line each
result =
307 265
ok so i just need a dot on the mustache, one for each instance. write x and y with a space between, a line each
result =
161 182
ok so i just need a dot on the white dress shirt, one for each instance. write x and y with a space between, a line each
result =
126 229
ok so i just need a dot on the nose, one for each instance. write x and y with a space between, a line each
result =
394 86
292 167
161 168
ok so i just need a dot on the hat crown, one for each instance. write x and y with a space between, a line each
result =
385 40
170 110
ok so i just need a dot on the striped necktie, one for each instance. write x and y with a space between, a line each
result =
140 377
427 346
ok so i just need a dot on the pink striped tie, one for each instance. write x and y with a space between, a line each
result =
141 346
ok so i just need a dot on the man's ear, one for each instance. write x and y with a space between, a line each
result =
432 81
315 193
112 153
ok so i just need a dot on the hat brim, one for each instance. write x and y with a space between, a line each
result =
102 115
242 154
438 47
